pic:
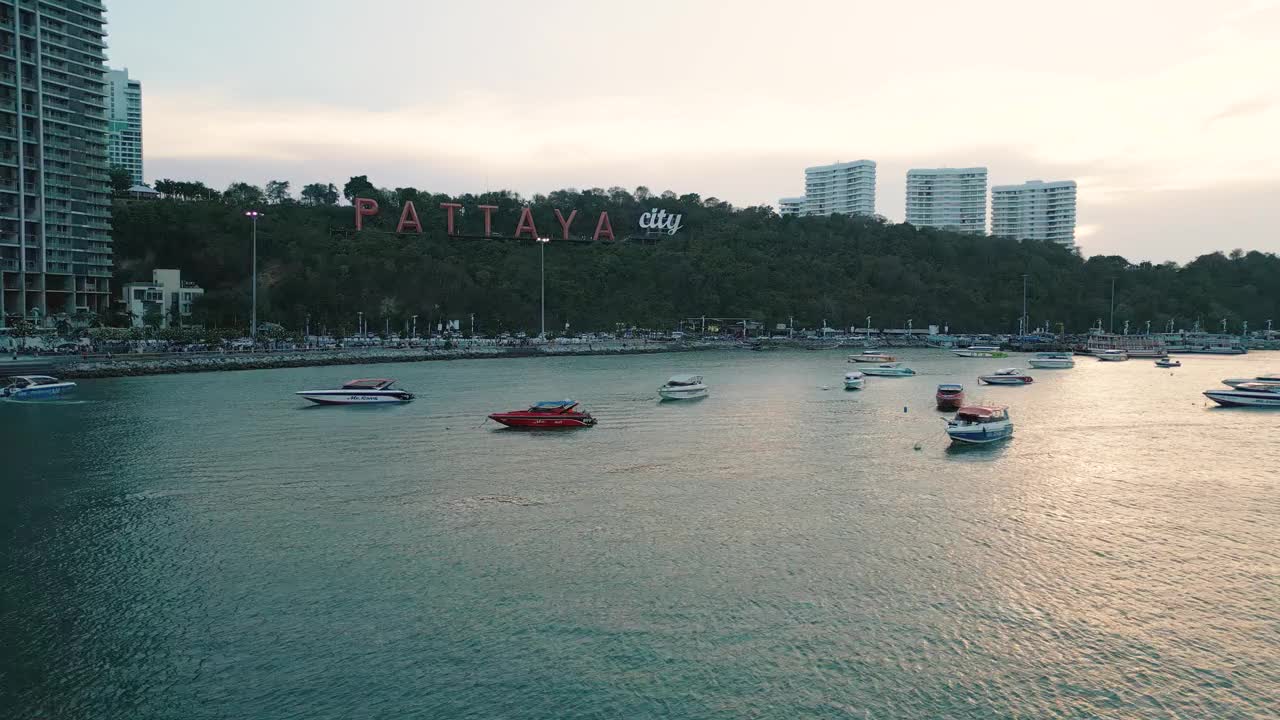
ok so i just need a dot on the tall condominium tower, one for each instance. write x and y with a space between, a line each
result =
1035 210
948 198
55 200
124 113
846 188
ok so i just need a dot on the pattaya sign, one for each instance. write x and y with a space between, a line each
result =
651 221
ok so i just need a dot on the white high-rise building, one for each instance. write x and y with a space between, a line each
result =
1035 210
124 123
846 188
791 206
948 198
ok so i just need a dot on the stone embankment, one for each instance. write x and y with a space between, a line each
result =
98 366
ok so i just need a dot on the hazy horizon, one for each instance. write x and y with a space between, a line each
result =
1163 113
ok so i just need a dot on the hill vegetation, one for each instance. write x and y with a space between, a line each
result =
723 262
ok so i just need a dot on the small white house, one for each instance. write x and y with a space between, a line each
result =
166 292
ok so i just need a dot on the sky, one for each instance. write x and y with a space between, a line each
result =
1166 113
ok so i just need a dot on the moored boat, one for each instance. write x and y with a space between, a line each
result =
980 424
980 351
854 380
1052 360
32 387
1167 363
1112 355
1264 379
1007 376
546 415
872 356
950 396
683 387
1247 395
890 369
365 391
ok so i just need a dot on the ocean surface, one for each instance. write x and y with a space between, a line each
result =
211 546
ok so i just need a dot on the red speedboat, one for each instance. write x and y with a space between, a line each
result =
551 414
950 396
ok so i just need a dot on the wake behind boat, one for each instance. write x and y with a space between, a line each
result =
366 391
33 387
683 387
546 415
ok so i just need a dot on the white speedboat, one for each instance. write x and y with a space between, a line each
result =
1247 395
683 387
31 387
871 356
890 369
1112 355
980 351
1264 379
1052 360
980 424
1167 363
1006 376
367 391
854 380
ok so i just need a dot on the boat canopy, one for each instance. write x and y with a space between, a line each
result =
981 412
950 387
368 384
553 406
852 375
1258 387
1007 371
685 380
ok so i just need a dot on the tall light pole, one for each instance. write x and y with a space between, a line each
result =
542 263
1024 303
415 327
360 324
253 322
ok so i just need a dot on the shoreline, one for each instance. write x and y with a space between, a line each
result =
124 366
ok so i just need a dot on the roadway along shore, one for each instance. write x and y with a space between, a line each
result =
166 363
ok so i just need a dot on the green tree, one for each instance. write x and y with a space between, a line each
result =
121 180
317 194
277 192
357 186
243 194
153 317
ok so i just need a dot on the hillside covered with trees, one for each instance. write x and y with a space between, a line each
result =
723 262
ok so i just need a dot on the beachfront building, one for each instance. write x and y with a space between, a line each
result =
1035 210
55 192
791 206
166 299
948 198
124 123
844 188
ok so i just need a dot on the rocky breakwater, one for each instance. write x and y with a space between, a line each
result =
98 366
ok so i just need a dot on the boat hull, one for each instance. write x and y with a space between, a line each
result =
1168 364
981 435
40 391
543 421
1052 364
980 354
1112 358
870 358
1237 382
854 384
683 393
332 397
948 403
1010 380
889 373
1244 398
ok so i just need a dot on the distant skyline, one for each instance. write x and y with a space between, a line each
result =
1163 112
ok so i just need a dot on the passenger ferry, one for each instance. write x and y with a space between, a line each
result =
1200 343
1139 346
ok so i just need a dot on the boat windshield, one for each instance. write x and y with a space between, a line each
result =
685 380
368 384
553 406
950 388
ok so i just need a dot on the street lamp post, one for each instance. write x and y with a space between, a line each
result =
542 264
415 327
253 215
360 325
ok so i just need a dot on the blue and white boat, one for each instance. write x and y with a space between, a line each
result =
980 424
32 387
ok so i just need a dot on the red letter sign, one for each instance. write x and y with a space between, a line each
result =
409 219
365 207
526 223
450 207
564 224
488 218
603 227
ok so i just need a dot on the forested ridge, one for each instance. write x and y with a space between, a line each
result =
724 261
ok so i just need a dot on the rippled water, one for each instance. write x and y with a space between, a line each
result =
208 546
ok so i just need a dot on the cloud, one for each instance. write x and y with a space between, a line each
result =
1244 108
